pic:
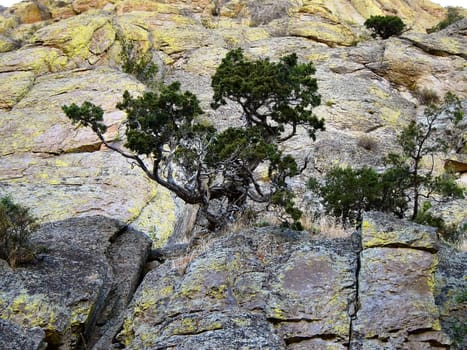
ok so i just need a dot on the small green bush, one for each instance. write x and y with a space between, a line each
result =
385 26
138 64
347 193
16 226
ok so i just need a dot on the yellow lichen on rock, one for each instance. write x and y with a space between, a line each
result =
177 39
8 23
157 218
72 35
147 6
13 86
32 311
39 60
392 118
331 34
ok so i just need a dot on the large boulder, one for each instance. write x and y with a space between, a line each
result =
82 37
82 280
256 289
397 288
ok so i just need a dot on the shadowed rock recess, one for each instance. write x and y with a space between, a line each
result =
96 283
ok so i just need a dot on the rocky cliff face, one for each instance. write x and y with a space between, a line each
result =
60 52
257 289
390 286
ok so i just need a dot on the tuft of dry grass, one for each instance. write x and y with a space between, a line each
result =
326 226
427 96
367 142
199 247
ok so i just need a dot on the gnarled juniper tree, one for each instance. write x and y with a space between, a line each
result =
218 169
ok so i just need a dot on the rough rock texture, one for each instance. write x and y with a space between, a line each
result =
277 289
54 53
274 290
397 287
14 337
80 284
43 154
264 288
451 295
258 289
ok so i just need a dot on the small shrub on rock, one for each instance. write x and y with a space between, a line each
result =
16 226
385 26
138 63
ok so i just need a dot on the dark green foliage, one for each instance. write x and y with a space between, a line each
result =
138 63
16 226
217 170
347 193
393 185
452 16
425 217
385 26
272 95
157 119
88 115
451 233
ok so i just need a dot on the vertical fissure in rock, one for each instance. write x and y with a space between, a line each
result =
355 304
109 317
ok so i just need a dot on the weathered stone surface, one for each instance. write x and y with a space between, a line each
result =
450 294
446 42
408 65
81 184
67 181
397 287
320 24
86 274
39 125
265 291
7 23
189 40
257 289
408 279
30 12
6 44
417 14
14 337
72 35
80 6
13 87
39 60
380 230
